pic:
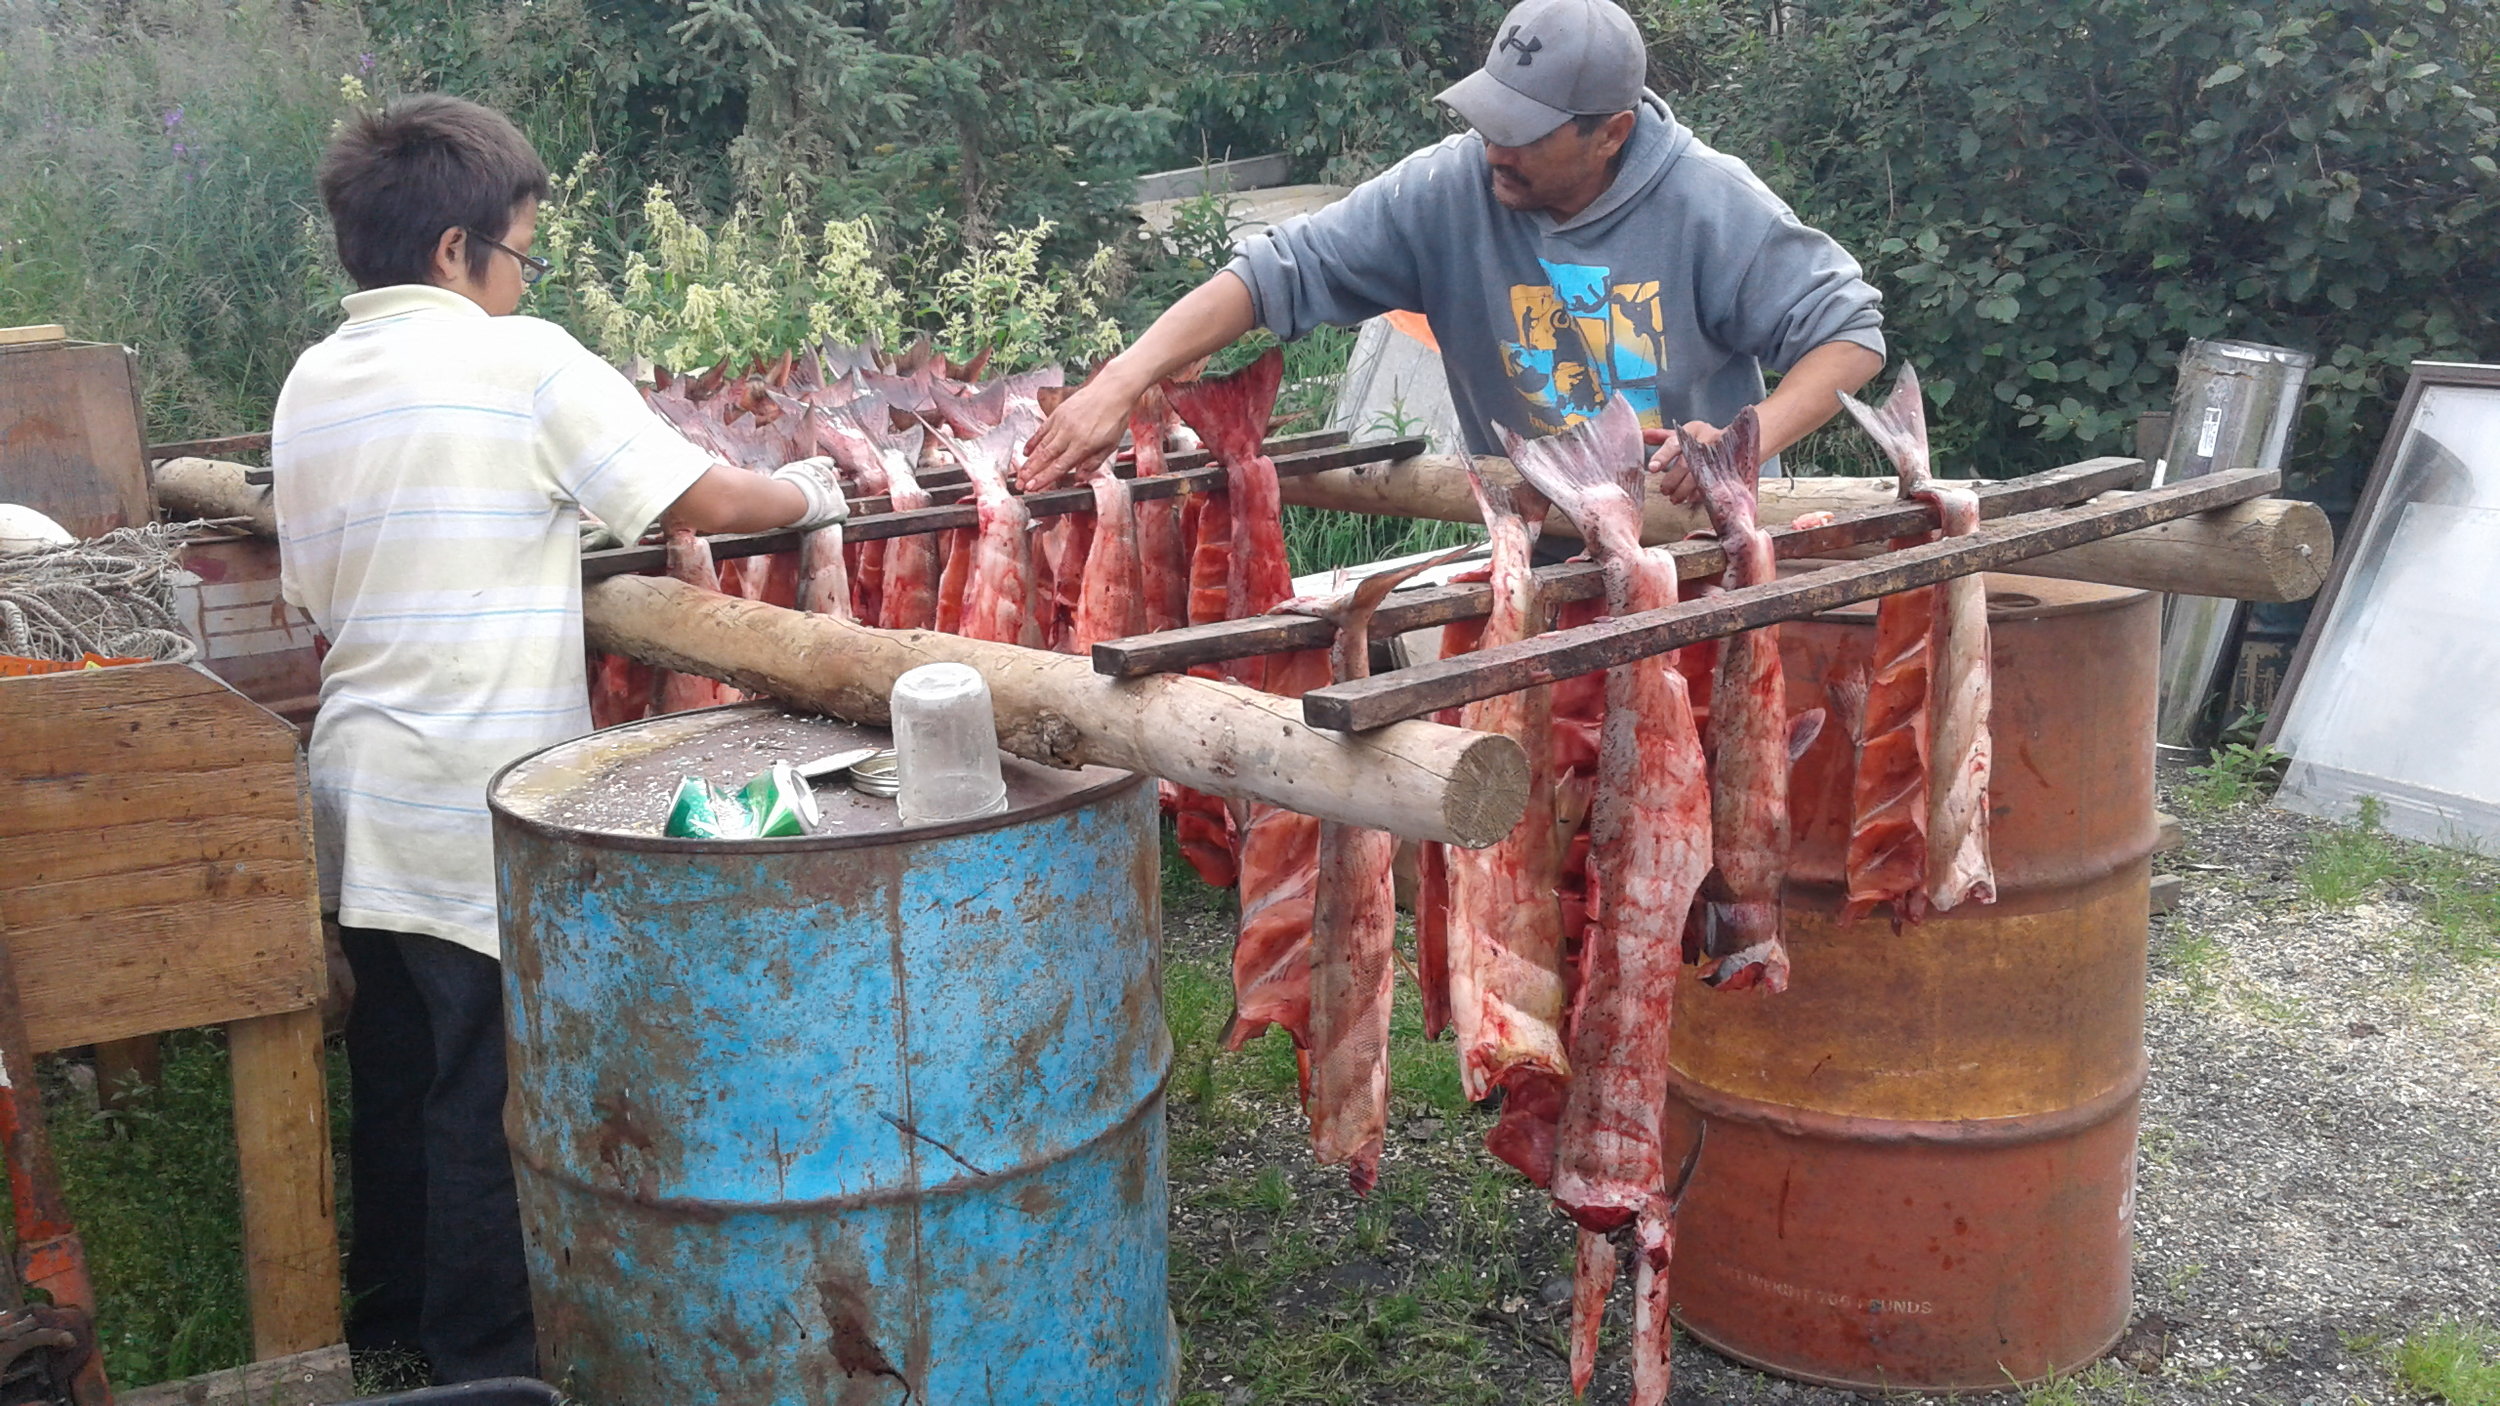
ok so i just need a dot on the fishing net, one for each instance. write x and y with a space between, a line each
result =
112 596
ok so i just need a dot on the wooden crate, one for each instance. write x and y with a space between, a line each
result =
156 873
70 444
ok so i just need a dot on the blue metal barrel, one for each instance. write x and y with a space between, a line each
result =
873 1115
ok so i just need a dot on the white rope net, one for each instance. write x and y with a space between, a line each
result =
112 596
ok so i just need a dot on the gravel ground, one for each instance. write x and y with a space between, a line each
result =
2320 1171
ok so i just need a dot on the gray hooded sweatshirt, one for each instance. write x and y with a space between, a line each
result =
1673 289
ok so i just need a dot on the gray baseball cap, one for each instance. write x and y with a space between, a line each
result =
1552 60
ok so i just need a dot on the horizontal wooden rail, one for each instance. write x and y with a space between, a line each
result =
879 526
1175 650
1362 704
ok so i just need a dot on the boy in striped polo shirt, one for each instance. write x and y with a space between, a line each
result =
432 462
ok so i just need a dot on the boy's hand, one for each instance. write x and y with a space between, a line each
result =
818 479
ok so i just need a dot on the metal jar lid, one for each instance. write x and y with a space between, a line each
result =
877 775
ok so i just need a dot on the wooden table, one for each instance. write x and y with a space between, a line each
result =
158 876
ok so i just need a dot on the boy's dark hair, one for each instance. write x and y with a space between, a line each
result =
394 181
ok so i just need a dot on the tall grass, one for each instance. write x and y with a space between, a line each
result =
156 187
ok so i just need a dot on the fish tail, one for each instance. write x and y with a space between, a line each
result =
1598 459
1231 413
1899 428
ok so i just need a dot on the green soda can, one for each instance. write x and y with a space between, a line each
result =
699 812
779 803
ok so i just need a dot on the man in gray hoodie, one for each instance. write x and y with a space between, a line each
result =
1579 243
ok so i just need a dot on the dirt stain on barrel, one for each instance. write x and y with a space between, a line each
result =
852 1341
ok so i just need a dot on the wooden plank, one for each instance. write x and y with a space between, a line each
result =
152 739
1175 650
157 969
70 445
937 479
880 526
40 695
1411 693
106 800
282 1157
37 332
316 1378
208 448
27 906
2165 892
2170 834
56 856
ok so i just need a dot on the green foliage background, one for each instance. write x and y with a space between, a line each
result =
2054 195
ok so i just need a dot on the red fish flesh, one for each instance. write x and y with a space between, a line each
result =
1112 601
1277 853
1751 735
690 561
1161 550
1354 921
1505 909
998 582
1650 826
1960 680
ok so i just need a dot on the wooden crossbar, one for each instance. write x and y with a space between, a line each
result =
1173 651
1362 704
880 526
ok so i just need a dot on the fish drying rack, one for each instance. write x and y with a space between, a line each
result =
2022 517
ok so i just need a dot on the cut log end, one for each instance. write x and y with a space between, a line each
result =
1488 791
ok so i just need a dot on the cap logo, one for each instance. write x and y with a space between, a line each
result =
1528 48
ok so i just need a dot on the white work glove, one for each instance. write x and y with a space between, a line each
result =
822 483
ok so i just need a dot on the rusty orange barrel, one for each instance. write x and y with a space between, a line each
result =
1920 1160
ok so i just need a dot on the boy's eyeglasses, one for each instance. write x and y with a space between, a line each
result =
533 268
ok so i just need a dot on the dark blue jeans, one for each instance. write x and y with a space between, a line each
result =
434 1260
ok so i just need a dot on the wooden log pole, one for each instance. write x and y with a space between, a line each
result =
212 488
1420 780
2272 549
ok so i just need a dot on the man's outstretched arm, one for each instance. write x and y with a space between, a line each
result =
1087 425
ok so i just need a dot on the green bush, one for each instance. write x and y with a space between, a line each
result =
156 183
2056 195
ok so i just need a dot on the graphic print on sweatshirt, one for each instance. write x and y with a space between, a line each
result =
1582 338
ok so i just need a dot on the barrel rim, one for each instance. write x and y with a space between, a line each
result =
503 814
2061 599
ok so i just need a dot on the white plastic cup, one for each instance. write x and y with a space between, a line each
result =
946 745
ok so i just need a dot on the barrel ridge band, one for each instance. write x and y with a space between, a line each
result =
1954 1132
699 1209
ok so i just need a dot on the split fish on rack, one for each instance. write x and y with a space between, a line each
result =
1162 553
1278 850
1650 826
1941 794
1752 737
1111 599
1354 920
998 579
1503 923
690 561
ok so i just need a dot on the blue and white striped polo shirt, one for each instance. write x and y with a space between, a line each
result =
431 464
